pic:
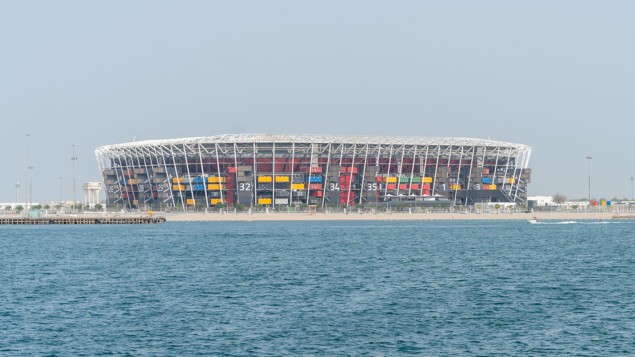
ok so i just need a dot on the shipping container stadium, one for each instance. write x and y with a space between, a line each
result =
262 170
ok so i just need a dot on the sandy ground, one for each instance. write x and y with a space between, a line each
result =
386 216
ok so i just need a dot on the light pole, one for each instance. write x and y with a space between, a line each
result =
589 160
631 188
74 159
17 191
30 187
26 186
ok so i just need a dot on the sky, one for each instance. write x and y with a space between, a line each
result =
556 75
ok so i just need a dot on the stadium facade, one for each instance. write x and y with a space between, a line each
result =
325 171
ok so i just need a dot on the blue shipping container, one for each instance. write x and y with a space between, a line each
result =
199 180
315 179
487 180
198 187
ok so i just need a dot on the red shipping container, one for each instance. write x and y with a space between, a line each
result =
426 186
231 169
315 186
316 169
414 186
390 186
426 192
379 178
403 186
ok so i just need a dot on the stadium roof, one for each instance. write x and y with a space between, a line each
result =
322 139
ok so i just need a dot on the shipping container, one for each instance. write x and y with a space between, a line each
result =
403 186
486 180
215 201
178 187
216 179
426 179
198 179
215 186
264 201
282 201
315 186
349 169
297 186
231 169
455 187
190 201
282 179
264 179
391 179
315 179
177 179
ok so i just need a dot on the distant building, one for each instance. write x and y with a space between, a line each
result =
540 201
91 193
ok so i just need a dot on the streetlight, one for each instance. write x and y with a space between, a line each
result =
30 187
26 186
589 160
74 159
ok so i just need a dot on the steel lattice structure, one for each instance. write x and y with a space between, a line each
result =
286 170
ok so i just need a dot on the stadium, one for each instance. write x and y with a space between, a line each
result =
261 170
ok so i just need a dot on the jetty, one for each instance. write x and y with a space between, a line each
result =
82 219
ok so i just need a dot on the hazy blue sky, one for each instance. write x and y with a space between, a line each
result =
556 75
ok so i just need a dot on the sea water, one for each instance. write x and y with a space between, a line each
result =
438 288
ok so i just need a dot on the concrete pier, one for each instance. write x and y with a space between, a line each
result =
82 220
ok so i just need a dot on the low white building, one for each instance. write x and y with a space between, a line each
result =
540 201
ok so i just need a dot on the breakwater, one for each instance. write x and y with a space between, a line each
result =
82 220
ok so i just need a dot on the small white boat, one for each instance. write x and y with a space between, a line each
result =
533 220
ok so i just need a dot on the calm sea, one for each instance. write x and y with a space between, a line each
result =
440 288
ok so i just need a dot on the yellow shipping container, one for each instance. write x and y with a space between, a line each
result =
492 187
391 179
132 182
178 187
297 186
216 179
511 180
177 179
215 187
455 187
264 178
282 178
426 179
215 201
190 201
264 201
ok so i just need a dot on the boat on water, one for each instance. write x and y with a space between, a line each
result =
533 220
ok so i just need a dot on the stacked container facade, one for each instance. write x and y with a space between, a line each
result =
286 170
